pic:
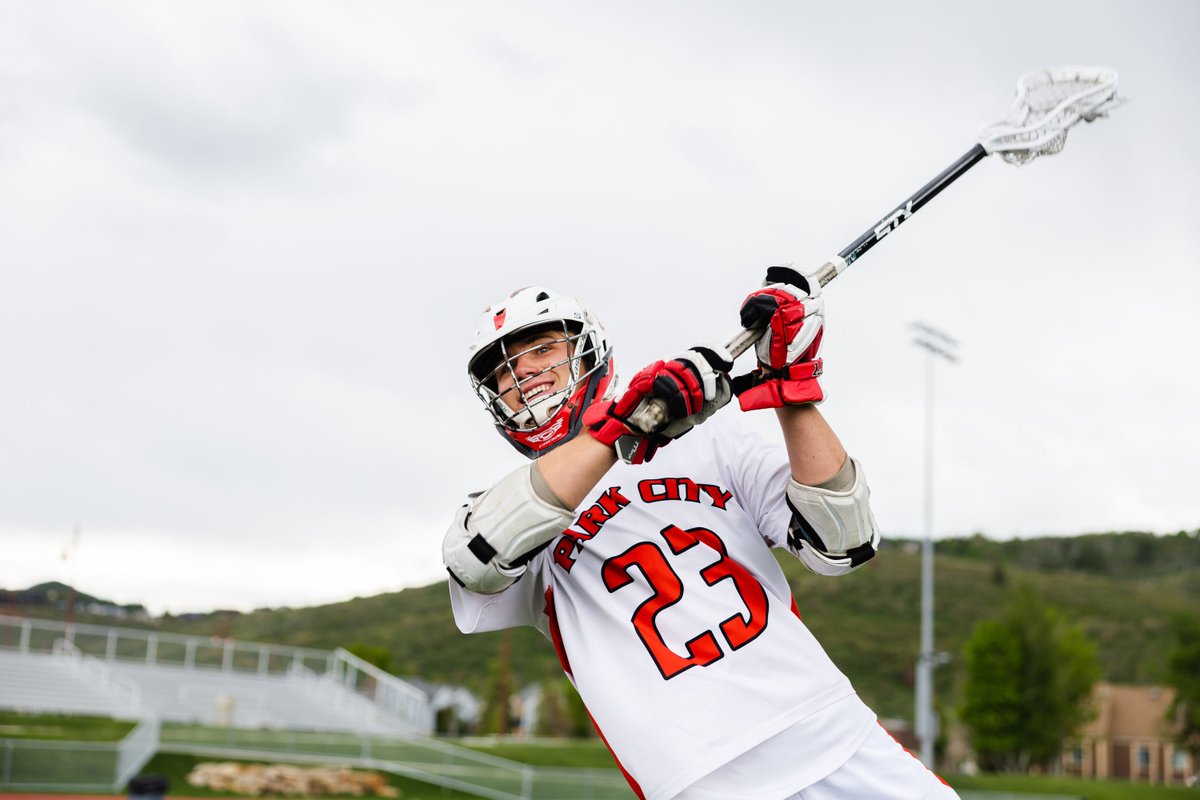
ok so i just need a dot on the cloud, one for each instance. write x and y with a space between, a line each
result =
216 92
245 246
167 571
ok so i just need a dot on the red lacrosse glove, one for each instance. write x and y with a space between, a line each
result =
791 309
692 386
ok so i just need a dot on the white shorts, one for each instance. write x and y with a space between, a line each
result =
880 770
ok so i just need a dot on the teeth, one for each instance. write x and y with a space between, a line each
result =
535 391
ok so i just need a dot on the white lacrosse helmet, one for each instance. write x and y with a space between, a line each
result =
544 421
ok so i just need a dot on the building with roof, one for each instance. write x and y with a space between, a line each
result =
1130 738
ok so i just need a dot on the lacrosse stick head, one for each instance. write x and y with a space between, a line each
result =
1049 102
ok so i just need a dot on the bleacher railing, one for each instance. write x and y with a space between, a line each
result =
106 643
388 694
392 699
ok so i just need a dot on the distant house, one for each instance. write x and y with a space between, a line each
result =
1129 739
456 708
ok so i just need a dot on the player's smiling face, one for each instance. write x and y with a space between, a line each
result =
538 365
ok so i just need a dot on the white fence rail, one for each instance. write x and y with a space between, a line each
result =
40 765
136 749
37 765
33 765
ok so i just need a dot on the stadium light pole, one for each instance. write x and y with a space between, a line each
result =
936 345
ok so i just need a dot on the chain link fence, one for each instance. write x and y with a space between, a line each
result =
427 760
40 765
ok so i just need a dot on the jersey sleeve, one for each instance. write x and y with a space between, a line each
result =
759 472
523 603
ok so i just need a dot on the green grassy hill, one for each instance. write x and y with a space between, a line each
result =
869 623
1122 588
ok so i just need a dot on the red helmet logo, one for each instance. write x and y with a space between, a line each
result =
540 440
548 434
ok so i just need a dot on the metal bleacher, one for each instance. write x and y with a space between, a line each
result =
228 699
50 666
46 682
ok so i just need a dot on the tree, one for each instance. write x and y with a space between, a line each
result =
554 715
581 720
497 708
376 655
1183 673
1029 678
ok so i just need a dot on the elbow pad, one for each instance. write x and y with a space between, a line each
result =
493 538
832 532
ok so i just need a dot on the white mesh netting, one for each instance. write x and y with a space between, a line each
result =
1048 103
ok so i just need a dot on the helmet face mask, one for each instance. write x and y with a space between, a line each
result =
535 410
531 324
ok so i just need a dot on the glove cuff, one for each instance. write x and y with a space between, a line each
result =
611 431
602 425
791 386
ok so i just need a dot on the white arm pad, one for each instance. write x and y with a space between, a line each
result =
492 539
832 532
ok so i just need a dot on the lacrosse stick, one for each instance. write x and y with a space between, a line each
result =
1049 102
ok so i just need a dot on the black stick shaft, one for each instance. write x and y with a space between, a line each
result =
651 415
913 204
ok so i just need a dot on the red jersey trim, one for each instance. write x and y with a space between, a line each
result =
905 749
556 638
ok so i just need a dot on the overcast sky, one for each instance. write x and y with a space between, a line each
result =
243 247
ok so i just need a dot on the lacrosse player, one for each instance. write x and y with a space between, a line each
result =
647 562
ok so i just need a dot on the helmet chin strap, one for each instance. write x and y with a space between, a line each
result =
541 411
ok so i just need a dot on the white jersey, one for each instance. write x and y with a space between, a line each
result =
678 628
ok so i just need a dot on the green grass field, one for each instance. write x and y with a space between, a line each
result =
62 727
587 753
1074 787
593 754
